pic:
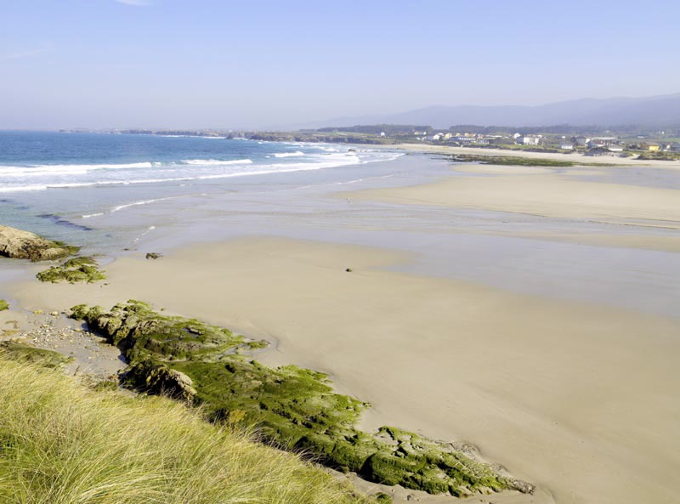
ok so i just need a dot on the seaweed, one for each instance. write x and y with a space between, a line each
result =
291 407
77 269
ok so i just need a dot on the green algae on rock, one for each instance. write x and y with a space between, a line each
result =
77 269
291 407
4 305
20 244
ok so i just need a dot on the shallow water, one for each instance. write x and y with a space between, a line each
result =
473 245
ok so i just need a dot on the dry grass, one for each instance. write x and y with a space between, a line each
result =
62 443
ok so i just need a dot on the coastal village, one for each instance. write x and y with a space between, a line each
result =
593 145
627 143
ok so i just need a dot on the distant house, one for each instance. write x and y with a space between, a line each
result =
529 139
602 142
566 146
581 140
615 148
653 147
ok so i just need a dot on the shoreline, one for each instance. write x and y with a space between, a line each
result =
504 392
541 384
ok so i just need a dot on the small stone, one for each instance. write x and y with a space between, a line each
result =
54 313
348 270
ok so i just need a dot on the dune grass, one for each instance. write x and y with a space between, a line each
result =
64 443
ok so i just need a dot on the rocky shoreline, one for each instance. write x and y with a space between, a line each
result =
202 365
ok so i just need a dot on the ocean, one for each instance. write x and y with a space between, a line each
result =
118 195
65 185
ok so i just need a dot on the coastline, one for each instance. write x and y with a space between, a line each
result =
539 384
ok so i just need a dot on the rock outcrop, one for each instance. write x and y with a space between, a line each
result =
19 244
291 407
76 269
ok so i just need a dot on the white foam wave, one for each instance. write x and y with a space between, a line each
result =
87 216
289 154
66 169
137 203
323 161
216 162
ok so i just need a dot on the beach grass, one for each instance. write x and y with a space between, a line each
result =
64 443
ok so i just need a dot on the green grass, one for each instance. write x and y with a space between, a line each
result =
4 305
77 269
24 353
64 443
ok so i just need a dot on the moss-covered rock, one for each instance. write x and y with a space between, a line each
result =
21 352
4 305
77 269
19 244
291 407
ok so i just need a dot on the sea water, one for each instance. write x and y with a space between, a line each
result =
60 184
131 194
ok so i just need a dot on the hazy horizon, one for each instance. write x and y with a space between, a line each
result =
170 64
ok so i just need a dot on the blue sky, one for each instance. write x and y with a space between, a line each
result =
257 63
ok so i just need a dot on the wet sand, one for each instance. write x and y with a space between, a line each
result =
544 194
575 397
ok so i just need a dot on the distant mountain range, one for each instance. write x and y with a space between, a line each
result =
650 112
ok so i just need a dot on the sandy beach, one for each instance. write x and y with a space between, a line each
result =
577 398
546 194
336 253
526 310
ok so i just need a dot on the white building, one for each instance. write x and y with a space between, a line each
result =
530 139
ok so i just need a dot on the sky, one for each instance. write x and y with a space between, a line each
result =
279 63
